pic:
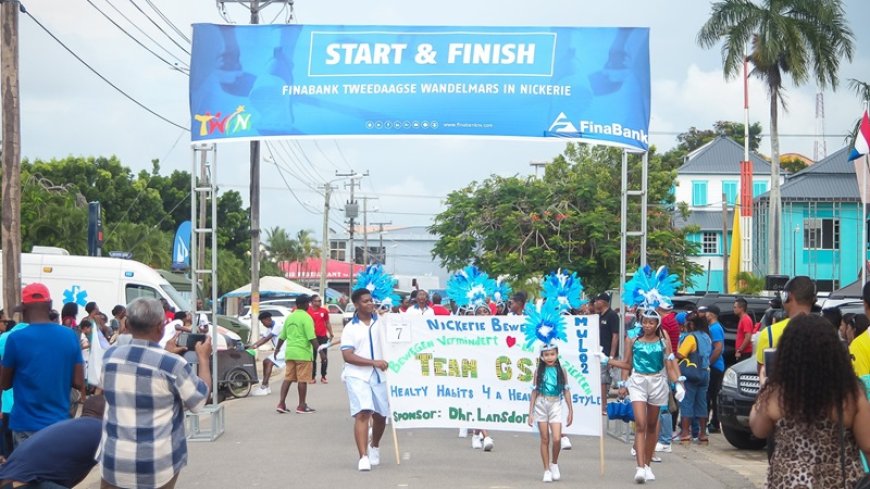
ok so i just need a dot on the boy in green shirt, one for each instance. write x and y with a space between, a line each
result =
299 334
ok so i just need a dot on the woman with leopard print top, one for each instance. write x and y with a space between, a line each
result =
810 400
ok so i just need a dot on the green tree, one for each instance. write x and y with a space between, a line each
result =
803 39
52 215
793 165
526 227
148 245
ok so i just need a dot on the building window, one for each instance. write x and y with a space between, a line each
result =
759 188
338 250
709 243
699 193
821 234
729 188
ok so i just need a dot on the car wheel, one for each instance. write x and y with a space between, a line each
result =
742 439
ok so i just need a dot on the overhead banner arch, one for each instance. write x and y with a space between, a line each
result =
583 83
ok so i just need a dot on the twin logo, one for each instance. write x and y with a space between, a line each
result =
211 123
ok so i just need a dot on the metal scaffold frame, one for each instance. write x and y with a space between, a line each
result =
203 190
620 429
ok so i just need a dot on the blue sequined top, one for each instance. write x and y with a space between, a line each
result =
648 358
550 384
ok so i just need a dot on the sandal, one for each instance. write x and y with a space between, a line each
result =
703 441
685 440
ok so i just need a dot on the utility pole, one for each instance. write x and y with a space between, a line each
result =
366 228
351 211
324 246
255 6
537 165
11 157
382 255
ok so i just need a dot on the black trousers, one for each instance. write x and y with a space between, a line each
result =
713 395
322 340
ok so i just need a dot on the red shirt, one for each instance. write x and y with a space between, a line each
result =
744 329
440 310
672 328
321 319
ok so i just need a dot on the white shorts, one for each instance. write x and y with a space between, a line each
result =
366 396
279 363
548 409
651 389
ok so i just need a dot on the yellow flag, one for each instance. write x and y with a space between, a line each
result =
734 257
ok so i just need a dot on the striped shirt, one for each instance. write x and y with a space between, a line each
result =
147 390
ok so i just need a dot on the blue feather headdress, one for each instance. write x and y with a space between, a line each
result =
544 324
563 288
379 283
650 290
501 291
469 288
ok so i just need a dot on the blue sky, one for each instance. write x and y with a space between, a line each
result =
66 110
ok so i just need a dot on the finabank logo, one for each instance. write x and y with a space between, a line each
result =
562 124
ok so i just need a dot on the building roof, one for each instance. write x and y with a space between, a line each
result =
831 179
705 220
721 156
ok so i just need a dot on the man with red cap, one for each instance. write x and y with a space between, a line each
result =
43 362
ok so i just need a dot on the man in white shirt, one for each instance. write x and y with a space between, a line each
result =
365 377
421 307
270 333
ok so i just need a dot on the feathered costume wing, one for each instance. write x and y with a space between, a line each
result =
545 324
470 287
379 283
564 288
501 291
650 290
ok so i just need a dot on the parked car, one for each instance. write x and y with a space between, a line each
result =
740 387
279 314
348 314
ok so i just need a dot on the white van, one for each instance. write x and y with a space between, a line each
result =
83 279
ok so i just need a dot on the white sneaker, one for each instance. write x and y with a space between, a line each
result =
487 444
463 432
364 465
260 391
656 459
663 448
554 469
476 442
566 444
648 474
639 475
374 455
548 476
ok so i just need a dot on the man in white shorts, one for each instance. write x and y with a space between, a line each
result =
270 332
365 377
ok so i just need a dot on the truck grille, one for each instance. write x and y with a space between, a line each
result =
749 384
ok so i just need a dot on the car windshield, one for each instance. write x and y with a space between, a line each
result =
174 296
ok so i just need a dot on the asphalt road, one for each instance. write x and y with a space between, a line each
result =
262 448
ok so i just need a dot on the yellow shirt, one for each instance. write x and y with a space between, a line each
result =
687 346
860 351
776 330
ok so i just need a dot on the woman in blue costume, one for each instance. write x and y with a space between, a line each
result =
646 360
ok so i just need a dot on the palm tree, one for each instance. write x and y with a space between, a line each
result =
803 39
308 246
280 246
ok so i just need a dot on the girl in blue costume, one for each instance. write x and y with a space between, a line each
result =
646 359
545 407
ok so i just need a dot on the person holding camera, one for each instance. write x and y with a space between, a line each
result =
147 390
798 297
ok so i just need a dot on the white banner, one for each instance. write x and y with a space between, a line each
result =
476 372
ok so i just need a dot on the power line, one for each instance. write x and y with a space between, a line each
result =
141 31
286 183
158 27
94 71
328 159
168 21
161 58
